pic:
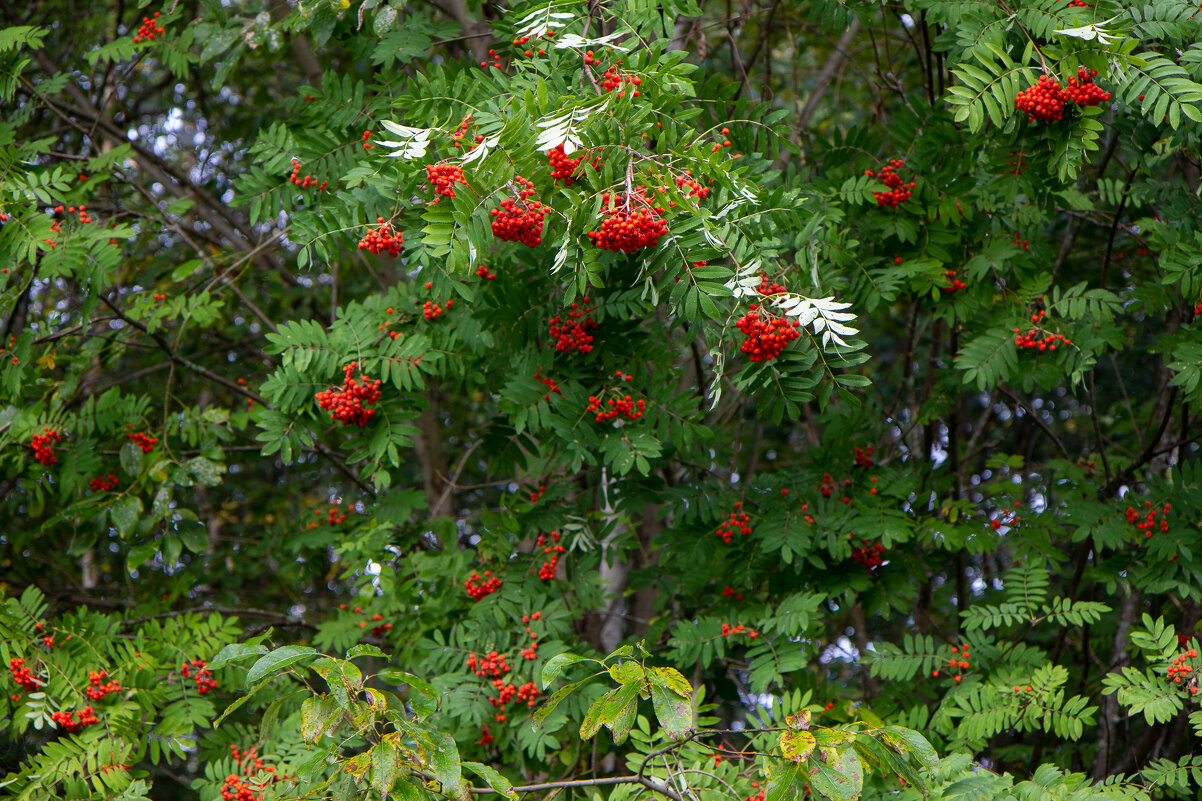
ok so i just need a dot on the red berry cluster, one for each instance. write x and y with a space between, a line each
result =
546 571
1006 517
729 630
1179 671
485 273
1018 689
478 588
863 457
769 287
538 493
22 675
333 516
869 555
520 220
461 131
12 341
1038 338
443 178
766 338
1043 101
728 591
74 721
899 190
149 29
433 311
563 167
736 522
630 224
959 662
197 671
143 441
346 403
1146 521
366 144
531 653
551 385
1046 100
522 41
956 284
43 446
691 188
1083 91
573 334
103 483
379 628
99 687
1078 4
382 238
506 692
619 406
491 664
242 787
614 78
306 181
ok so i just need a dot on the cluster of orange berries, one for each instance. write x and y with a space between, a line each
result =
1038 338
869 555
82 211
1083 91
485 273
563 167
528 692
366 144
735 522
1025 689
149 29
443 178
899 190
12 341
520 220
551 385
197 671
242 788
43 445
538 493
1046 100
623 406
729 630
383 238
333 516
1007 517
1179 670
143 441
630 224
956 284
863 457
347 403
573 334
491 664
769 287
766 338
478 588
530 653
306 181
461 132
958 662
614 78
99 687
75 721
433 311
546 571
22 675
1147 521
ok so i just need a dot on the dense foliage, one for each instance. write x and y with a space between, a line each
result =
395 395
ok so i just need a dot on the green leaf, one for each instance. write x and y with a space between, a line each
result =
365 649
781 786
131 458
193 535
540 715
124 514
841 782
675 714
234 652
555 665
797 745
385 766
278 660
493 778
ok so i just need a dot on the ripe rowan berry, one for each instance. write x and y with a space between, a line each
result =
346 403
